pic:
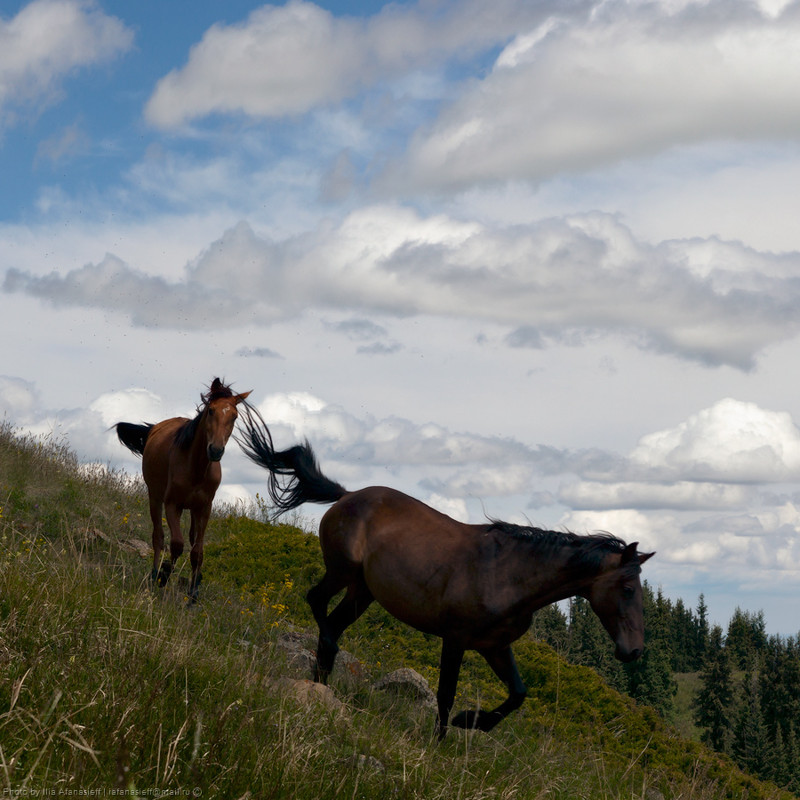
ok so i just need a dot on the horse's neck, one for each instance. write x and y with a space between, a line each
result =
198 452
555 576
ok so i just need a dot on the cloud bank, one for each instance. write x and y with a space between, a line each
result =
555 280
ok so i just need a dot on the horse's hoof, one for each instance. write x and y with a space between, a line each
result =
164 573
321 676
476 720
194 589
465 719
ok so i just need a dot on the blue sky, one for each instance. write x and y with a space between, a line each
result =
537 261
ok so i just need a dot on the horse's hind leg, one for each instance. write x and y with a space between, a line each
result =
331 626
348 610
318 597
501 660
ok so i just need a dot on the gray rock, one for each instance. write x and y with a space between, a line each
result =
300 649
407 683
309 694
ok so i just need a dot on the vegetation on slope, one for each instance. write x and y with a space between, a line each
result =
109 684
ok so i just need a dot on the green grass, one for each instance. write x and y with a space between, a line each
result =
688 685
109 684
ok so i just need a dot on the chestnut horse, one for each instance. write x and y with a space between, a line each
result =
475 586
180 466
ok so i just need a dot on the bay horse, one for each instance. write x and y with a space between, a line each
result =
181 468
475 586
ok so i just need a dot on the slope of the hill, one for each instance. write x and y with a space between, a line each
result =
109 685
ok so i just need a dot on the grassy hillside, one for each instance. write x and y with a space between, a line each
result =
109 684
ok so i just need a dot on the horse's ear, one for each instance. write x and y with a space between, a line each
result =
216 385
242 397
629 553
645 556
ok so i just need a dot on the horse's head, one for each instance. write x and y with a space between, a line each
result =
219 417
616 598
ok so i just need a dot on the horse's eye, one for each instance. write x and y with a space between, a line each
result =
628 592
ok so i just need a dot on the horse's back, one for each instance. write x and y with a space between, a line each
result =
379 512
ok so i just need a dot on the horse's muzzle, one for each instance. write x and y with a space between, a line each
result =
626 656
215 453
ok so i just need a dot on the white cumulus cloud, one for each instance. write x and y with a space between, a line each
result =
681 494
46 41
733 441
629 79
287 60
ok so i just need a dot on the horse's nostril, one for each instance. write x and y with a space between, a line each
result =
215 453
626 656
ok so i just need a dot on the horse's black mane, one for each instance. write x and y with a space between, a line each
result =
184 436
589 550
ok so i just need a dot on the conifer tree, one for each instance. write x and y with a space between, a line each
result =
589 644
650 678
780 683
681 637
712 704
700 633
746 637
778 765
792 748
750 740
550 625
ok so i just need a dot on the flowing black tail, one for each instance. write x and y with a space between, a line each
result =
294 475
133 436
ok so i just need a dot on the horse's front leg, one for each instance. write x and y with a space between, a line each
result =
172 512
449 667
197 535
156 504
501 660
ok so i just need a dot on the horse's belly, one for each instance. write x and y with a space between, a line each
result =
405 598
432 606
447 604
417 617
